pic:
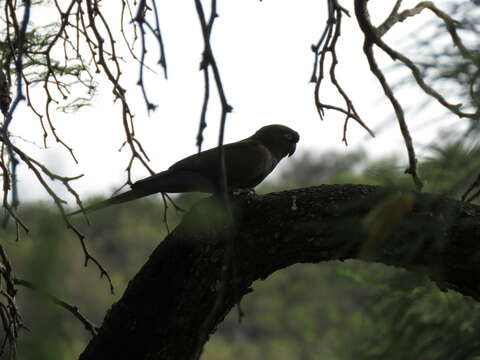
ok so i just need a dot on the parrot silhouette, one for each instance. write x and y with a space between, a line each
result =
247 162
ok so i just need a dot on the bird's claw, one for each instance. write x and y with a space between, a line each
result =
239 192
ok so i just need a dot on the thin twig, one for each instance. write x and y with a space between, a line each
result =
73 309
375 38
327 44
228 262
140 19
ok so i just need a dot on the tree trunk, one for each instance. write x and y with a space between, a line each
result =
164 310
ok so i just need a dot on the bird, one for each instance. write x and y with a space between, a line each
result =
248 162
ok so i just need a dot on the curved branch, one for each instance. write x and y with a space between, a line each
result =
165 305
373 35
371 38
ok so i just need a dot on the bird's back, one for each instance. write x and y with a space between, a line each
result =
247 162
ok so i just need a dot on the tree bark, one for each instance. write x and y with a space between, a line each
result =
163 312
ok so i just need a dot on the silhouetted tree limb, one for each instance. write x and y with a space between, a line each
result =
160 314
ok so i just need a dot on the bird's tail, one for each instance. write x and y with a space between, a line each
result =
114 200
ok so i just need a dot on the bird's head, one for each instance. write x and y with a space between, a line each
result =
279 139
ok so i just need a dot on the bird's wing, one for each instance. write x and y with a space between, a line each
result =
175 181
247 162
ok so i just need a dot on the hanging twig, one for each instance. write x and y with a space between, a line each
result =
228 270
140 19
327 44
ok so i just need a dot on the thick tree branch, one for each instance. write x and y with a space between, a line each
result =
164 306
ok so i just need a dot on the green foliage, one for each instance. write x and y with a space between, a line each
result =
460 68
51 258
62 64
293 314
409 317
309 169
451 168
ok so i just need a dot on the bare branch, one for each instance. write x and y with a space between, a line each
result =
327 44
450 23
228 271
140 19
9 315
390 20
37 169
372 38
73 309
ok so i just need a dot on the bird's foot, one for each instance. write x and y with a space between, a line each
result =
240 192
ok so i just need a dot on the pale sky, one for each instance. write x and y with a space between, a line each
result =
263 51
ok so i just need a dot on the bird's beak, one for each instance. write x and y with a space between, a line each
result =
294 147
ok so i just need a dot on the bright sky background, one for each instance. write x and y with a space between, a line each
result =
263 51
